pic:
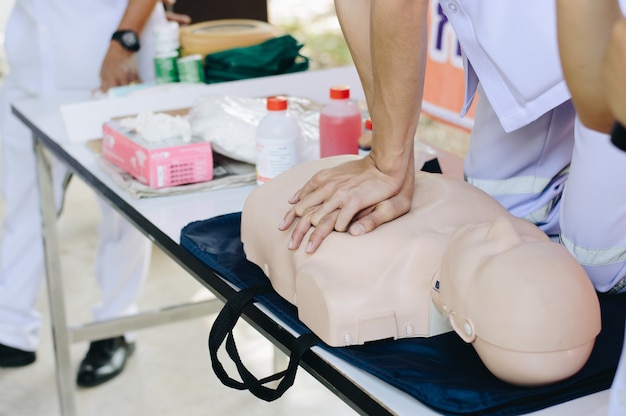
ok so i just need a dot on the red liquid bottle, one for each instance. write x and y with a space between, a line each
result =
340 124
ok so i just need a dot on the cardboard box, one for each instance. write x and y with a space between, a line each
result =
165 163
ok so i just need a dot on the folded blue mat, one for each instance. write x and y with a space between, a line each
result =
442 372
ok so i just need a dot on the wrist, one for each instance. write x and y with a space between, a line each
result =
392 162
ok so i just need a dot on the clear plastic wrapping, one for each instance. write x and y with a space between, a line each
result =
229 123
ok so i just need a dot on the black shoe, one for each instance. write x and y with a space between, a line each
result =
14 357
105 359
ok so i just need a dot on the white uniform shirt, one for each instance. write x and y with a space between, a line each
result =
40 58
521 74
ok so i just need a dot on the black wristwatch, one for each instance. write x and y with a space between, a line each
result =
128 39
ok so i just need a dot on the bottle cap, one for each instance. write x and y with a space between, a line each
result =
340 92
368 124
277 103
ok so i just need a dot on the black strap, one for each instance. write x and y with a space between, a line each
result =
432 166
222 330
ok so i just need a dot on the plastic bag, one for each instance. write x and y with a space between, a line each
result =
229 123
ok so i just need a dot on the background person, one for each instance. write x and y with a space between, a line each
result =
54 48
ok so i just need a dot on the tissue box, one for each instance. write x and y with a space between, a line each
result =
160 164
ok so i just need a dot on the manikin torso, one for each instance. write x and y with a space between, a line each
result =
437 264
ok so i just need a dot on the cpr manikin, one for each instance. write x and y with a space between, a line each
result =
456 261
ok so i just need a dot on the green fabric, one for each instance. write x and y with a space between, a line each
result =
280 55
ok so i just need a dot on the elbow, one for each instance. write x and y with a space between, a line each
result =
592 108
602 122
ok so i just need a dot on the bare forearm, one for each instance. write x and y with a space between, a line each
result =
584 27
398 42
137 14
613 78
354 18
387 40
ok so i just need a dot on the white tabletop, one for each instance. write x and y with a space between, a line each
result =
166 216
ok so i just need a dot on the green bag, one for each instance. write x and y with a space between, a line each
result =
280 55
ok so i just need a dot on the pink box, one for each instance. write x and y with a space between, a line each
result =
167 163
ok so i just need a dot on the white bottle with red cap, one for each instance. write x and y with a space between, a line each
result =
340 124
277 141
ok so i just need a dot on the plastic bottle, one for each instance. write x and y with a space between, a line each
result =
277 141
365 141
340 124
167 37
190 68
166 52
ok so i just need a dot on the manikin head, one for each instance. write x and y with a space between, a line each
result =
524 302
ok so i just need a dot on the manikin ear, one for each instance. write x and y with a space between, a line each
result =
463 327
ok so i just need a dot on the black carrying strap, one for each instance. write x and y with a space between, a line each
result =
222 329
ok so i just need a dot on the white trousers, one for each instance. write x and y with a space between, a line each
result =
123 252
567 179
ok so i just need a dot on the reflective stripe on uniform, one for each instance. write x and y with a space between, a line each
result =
594 257
518 185
521 185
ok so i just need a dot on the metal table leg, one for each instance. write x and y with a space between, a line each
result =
60 331
62 334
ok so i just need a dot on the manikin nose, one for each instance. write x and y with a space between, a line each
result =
503 231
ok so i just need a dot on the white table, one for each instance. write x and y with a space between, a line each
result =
162 219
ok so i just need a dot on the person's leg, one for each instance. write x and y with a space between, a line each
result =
21 248
524 169
121 267
593 212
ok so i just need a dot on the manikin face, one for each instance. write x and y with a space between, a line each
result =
514 293
471 247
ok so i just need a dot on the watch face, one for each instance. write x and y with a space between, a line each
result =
128 39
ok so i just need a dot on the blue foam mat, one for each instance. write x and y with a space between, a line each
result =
442 372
